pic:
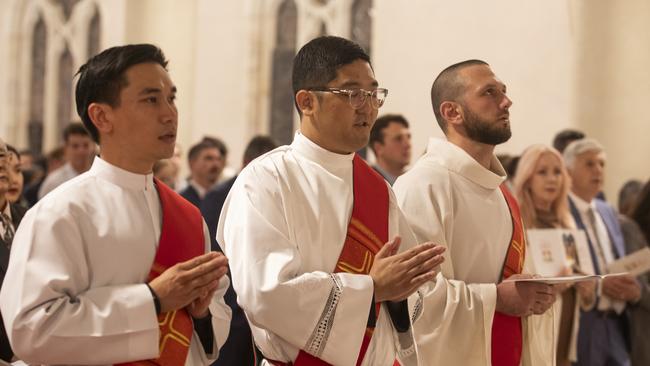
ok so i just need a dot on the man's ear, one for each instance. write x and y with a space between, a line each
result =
101 115
306 102
452 112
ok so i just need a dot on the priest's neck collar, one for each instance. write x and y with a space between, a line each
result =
314 152
459 161
121 177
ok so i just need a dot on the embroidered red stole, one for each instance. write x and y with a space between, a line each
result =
367 233
506 329
181 239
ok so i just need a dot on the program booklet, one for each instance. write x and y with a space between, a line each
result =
553 250
564 279
636 263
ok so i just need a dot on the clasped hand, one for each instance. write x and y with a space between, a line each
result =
190 284
397 276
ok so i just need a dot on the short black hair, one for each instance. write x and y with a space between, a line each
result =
74 128
377 132
316 63
196 149
102 78
448 87
565 137
218 143
257 146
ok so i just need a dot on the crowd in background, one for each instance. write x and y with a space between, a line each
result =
547 181
539 177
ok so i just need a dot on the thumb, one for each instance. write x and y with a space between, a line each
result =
390 248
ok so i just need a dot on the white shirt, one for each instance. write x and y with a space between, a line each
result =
75 292
284 224
452 200
56 178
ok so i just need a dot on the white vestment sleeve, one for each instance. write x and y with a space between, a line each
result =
221 313
456 315
50 311
319 312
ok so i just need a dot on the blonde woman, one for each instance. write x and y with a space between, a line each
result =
541 185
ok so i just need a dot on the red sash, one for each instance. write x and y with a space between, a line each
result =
506 329
181 239
367 233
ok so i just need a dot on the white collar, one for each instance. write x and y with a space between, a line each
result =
582 205
459 161
318 154
125 179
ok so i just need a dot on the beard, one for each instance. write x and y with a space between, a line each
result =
484 131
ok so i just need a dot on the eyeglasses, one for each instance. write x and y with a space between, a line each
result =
357 97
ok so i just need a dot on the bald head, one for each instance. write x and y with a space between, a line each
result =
449 86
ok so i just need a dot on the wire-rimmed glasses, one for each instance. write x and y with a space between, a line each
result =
357 96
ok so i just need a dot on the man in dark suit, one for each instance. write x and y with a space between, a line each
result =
10 216
239 348
207 160
603 337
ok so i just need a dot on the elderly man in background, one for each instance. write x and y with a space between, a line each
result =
602 338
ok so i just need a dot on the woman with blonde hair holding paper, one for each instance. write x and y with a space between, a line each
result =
541 185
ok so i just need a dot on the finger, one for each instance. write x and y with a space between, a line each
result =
208 289
207 278
197 261
423 278
388 248
421 257
545 289
397 242
414 252
427 266
538 310
212 265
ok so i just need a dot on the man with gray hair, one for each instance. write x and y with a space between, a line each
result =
601 337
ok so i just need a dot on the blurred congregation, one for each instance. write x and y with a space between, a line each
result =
256 164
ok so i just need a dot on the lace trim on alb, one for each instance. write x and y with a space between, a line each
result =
417 310
319 336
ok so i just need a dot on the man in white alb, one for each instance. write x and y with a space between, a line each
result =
306 228
454 196
113 267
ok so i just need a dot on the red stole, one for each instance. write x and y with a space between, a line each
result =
506 329
367 233
181 239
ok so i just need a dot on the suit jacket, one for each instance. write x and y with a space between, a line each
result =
610 218
17 213
238 349
639 313
190 194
